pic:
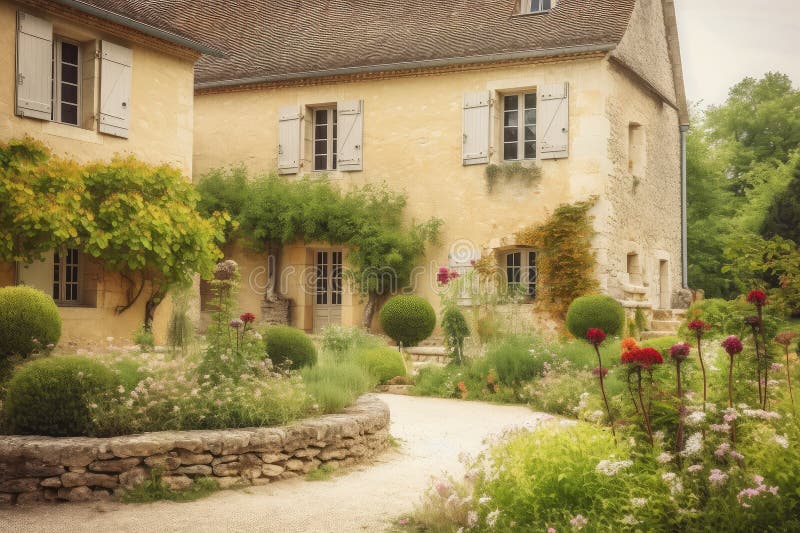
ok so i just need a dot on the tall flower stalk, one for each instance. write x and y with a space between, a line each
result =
642 359
733 346
759 299
699 327
596 337
679 352
785 339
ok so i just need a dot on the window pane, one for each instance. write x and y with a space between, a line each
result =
321 116
530 117
546 5
530 101
69 113
320 147
530 133
530 150
510 151
69 53
510 119
321 131
320 162
69 93
510 135
69 73
510 103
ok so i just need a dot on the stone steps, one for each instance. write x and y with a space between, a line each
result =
653 334
665 325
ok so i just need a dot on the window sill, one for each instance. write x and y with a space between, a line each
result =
68 131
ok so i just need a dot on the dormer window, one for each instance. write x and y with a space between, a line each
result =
536 6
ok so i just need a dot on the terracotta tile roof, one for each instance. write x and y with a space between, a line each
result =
300 38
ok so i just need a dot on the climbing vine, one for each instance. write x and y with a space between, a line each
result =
566 260
511 172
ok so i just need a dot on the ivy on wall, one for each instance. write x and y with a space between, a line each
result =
511 172
566 259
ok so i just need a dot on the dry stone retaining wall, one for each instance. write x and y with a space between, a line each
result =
36 468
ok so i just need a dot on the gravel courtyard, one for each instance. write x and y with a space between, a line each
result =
432 432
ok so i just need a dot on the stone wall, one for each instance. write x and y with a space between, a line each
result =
36 468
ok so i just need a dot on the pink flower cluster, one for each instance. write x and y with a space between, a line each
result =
595 336
445 275
757 298
732 345
750 493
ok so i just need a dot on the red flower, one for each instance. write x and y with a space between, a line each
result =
596 371
248 318
757 298
680 351
445 275
595 336
698 326
732 345
454 274
643 357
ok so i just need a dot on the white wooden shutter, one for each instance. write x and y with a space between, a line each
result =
38 274
350 135
115 89
34 67
553 121
475 128
289 140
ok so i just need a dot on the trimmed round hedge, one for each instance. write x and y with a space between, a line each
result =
53 396
595 311
408 319
29 320
383 363
285 344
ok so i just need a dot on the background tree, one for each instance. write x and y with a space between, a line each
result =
139 220
783 215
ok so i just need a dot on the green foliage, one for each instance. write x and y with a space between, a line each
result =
517 172
323 473
29 322
512 361
566 259
337 384
144 338
129 371
139 219
661 344
180 330
456 330
288 346
57 396
155 489
223 191
382 248
783 216
408 319
595 311
384 363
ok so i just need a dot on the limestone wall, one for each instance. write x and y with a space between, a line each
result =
36 468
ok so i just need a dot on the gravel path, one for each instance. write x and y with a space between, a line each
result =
432 432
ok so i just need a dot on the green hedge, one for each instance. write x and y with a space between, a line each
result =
383 363
595 311
55 396
29 321
408 319
288 345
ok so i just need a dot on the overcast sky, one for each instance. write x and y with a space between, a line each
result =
722 41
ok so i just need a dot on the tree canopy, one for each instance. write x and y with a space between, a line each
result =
139 220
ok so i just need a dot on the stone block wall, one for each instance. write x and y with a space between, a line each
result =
34 468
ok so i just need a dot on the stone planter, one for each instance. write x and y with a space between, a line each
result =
36 468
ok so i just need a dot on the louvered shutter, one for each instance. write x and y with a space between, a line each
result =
34 67
350 135
553 121
475 127
289 140
115 89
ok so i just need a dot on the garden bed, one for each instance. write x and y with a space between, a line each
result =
34 468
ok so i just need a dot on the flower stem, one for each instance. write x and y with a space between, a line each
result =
703 368
789 381
679 431
603 390
644 410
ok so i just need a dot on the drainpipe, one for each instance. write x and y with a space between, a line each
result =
684 245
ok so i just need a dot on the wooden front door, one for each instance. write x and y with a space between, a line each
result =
328 289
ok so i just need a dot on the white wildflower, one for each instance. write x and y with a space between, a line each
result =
491 518
696 418
611 468
629 520
782 440
638 502
664 458
693 446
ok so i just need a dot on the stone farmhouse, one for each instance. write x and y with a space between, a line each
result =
424 96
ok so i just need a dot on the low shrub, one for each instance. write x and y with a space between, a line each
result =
57 396
661 344
408 319
288 346
129 371
334 386
384 363
341 340
456 330
180 330
29 321
512 359
144 338
595 311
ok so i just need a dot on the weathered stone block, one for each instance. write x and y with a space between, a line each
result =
273 457
77 494
224 459
87 479
307 452
132 477
30 468
115 466
195 470
293 464
228 482
51 482
101 495
177 482
163 461
28 484
30 497
271 470
333 453
189 458
227 469
6 498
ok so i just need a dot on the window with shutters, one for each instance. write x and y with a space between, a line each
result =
66 276
637 150
325 137
520 272
66 79
536 6
519 126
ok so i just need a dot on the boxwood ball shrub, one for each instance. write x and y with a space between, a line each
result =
55 396
408 319
290 346
384 363
29 320
595 311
